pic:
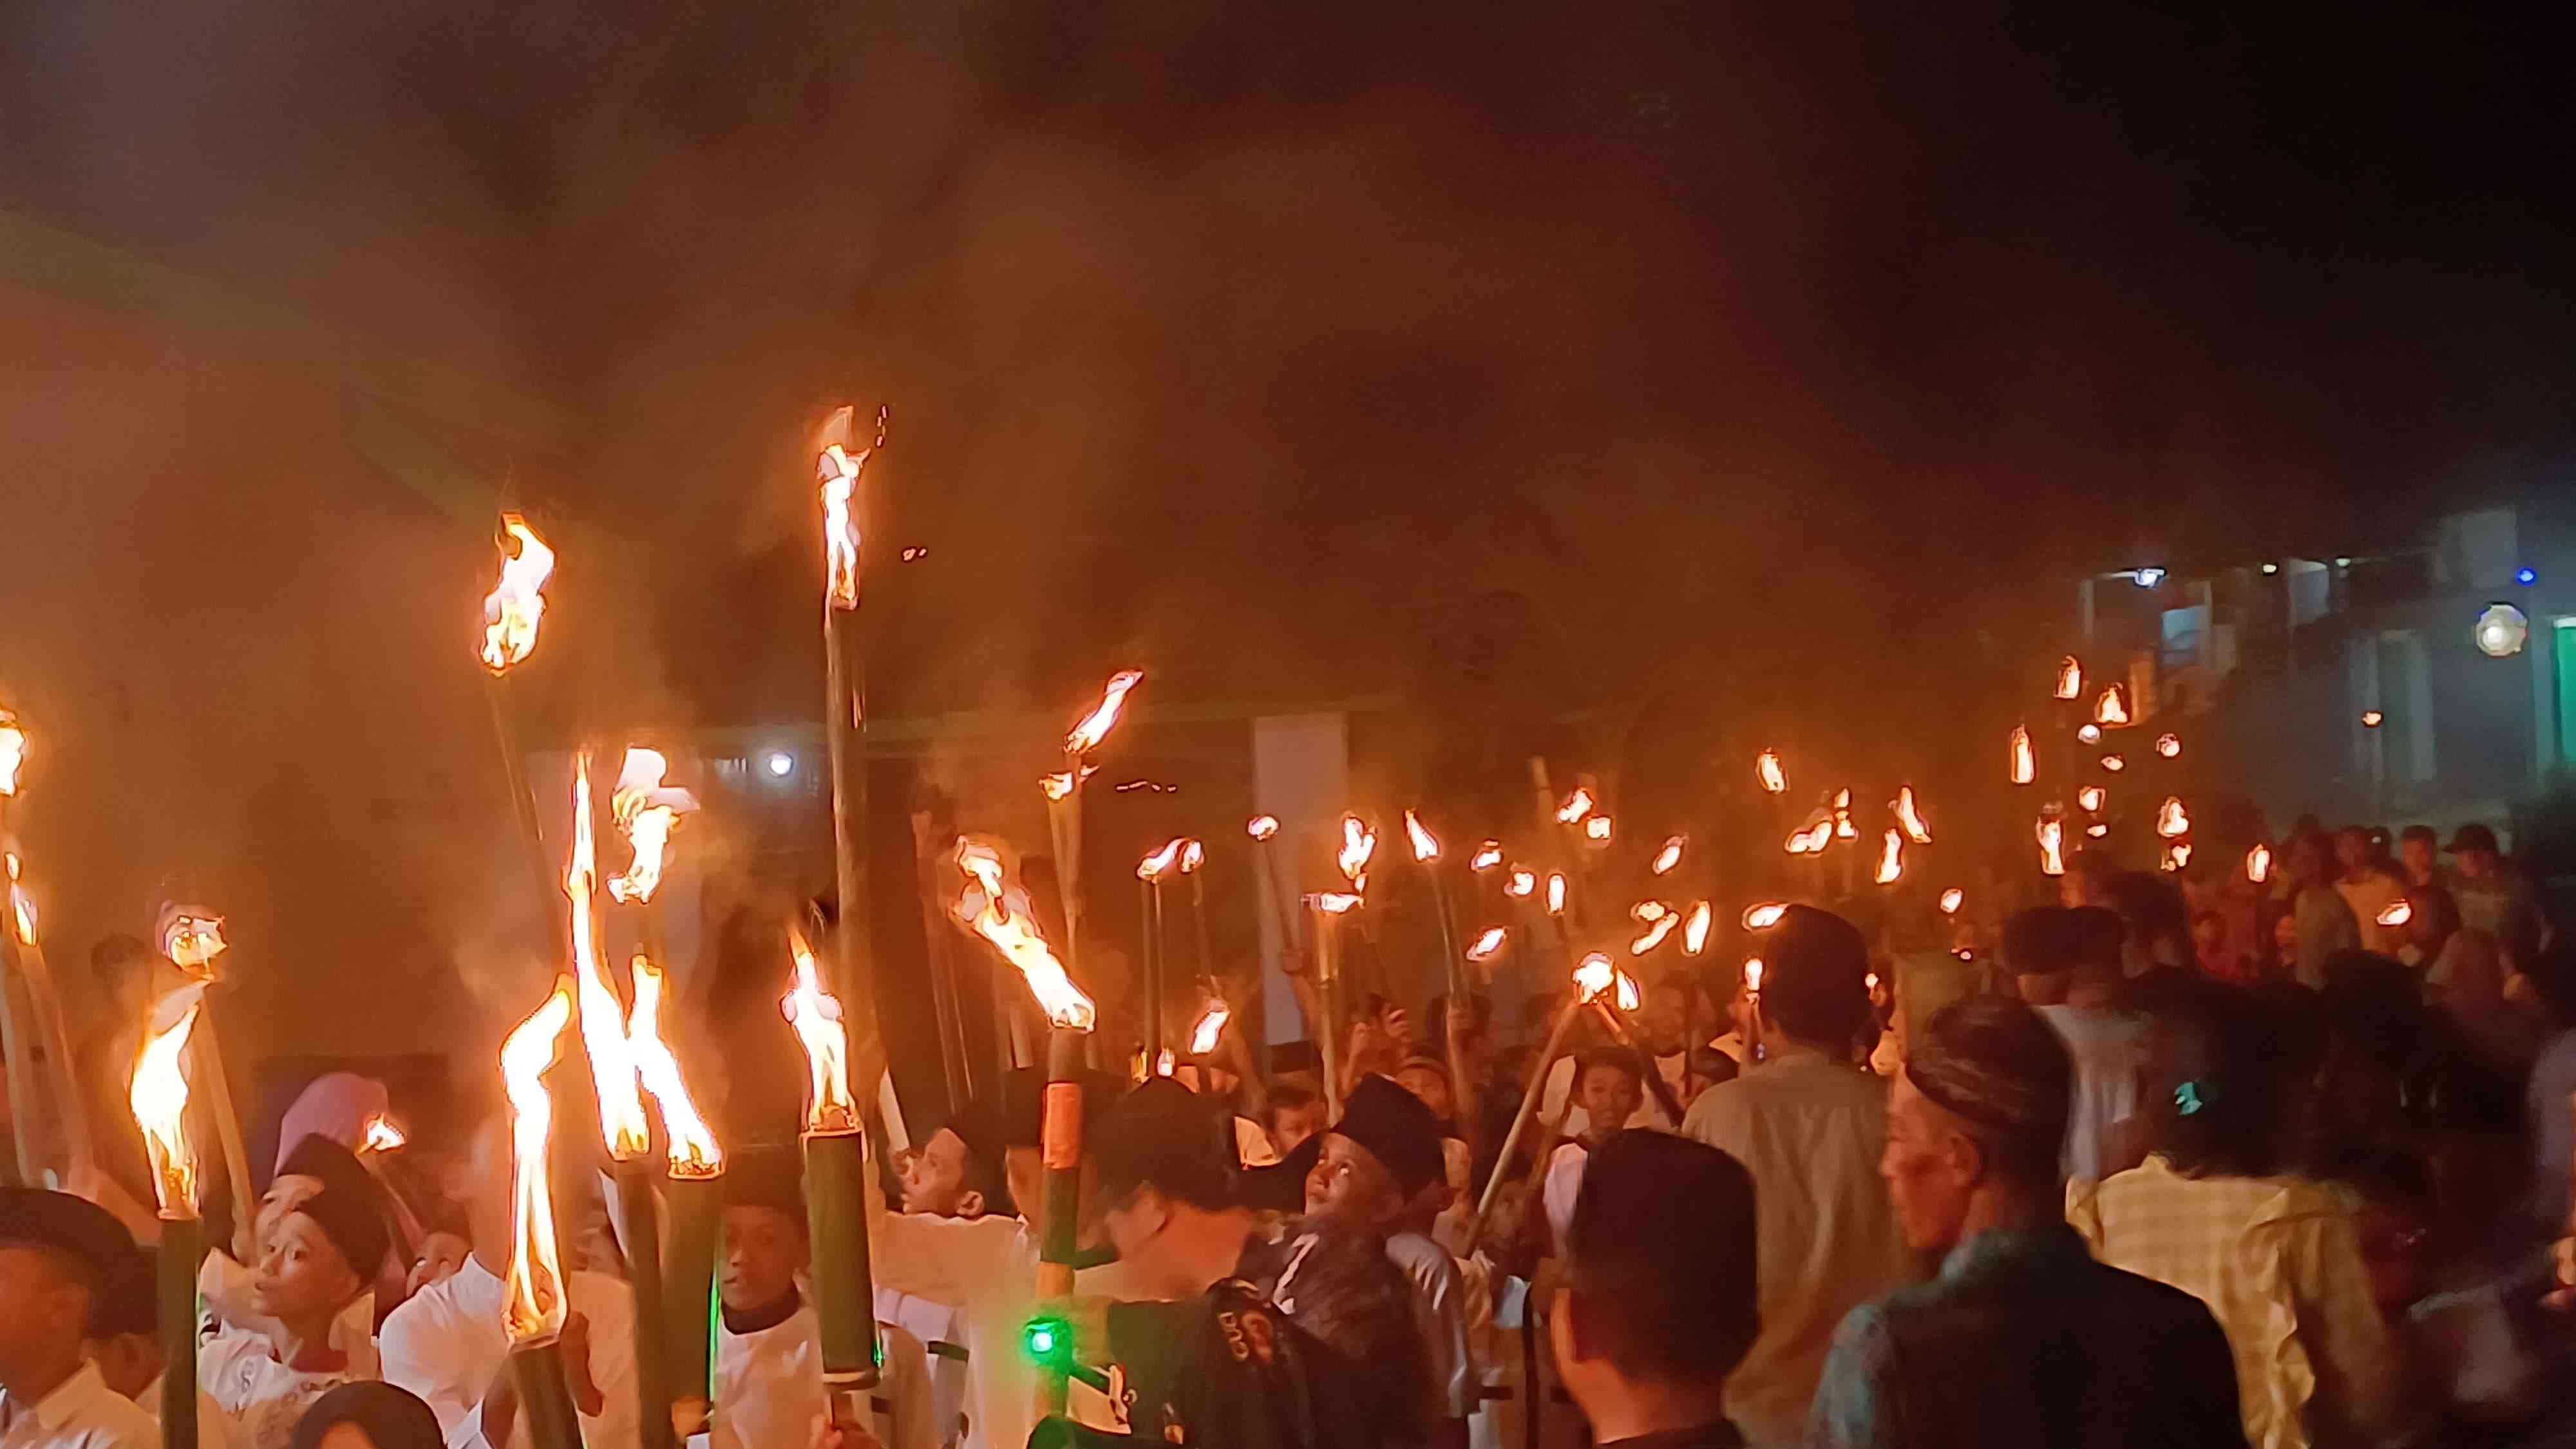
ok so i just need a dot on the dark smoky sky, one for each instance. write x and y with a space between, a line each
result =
1269 340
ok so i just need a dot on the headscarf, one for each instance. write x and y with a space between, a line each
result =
390 1417
338 1106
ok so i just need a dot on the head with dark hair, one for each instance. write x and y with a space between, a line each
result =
1610 1085
2157 920
1378 1158
1162 1174
1815 980
1976 1120
1659 1297
2215 1104
2432 917
2039 943
121 966
389 1417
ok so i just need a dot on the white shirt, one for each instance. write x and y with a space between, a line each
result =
446 1342
1810 1131
1439 1302
988 1268
81 1413
214 1428
2109 1057
225 1285
942 1334
769 1387
1252 1146
262 1398
1562 1185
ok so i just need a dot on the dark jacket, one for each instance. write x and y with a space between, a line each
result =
2025 1340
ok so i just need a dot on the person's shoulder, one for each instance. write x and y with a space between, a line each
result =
2159 1306
121 1423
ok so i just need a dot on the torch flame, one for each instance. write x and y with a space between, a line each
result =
1359 843
1487 856
1951 900
1911 817
2025 765
645 809
1891 857
694 1150
2371 719
1753 975
838 471
1426 846
1092 728
1193 855
22 909
1767 767
1488 944
1333 903
2070 679
1597 829
158 1093
1596 975
1064 782
2395 913
1576 806
603 1016
1763 915
1556 893
1670 855
192 940
1262 827
517 602
1695 928
2171 820
2052 846
382 1135
1522 882
1812 840
1211 1025
1155 865
1654 934
2097 830
1001 916
816 1013
2258 863
533 1312
2091 798
2090 734
1649 911
13 752
2111 709
2178 855
2114 763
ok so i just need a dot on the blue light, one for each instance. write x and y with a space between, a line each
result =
2147 578
2526 577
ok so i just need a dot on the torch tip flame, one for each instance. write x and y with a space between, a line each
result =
517 603
2025 765
1333 903
1596 975
2177 855
193 938
2171 820
2396 913
382 1135
1891 857
1576 806
1763 915
1487 856
2051 834
1359 844
694 1151
603 1034
2070 678
816 1015
1597 829
1426 846
2258 863
1092 728
1766 766
1210 1026
2090 734
2114 763
533 1311
2168 745
1670 855
1951 900
1522 881
1262 827
1753 975
1812 840
837 469
1193 855
2111 709
1556 893
1160 861
158 1093
1910 816
1488 944
647 810
13 752
2091 798
1000 914
1662 926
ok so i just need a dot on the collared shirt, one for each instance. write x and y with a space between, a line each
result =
2325 926
1810 1131
2367 897
769 1386
262 1398
1440 1318
941 1331
214 1430
2025 1339
2109 1057
81 1413
446 1342
2278 1261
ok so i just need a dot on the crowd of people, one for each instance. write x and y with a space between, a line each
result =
2269 1158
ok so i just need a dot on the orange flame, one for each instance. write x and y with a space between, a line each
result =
2371 719
2258 863
1262 827
2090 734
2097 830
2177 855
1155 865
2025 765
1596 975
1695 928
517 602
1556 893
2070 679
1910 816
192 940
1812 840
694 1151
1426 846
816 1014
1193 855
838 471
1891 857
1359 843
1649 911
2052 846
382 1135
2171 819
1654 935
603 1016
1597 829
1753 974
533 1311
1522 882
1576 806
1951 900
1000 914
646 810
13 752
1064 782
2168 745
1210 1026
2395 913
1488 944
22 909
1333 903
1763 915
2114 763
1092 728
158 1093
1487 856
2111 709
1670 855
1766 766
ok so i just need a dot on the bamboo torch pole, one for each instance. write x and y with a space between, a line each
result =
159 1096
1326 909
193 938
682 1261
1149 877
1453 969
835 1205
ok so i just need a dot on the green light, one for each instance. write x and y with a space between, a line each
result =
1048 1341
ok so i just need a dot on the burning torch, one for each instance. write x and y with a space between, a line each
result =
1426 853
159 1095
835 1207
694 1178
533 1307
845 708
192 938
1149 877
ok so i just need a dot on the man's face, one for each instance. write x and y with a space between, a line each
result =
2417 855
1349 1185
2352 850
1291 1126
42 1308
934 1178
1610 1098
1432 1087
763 1248
2477 864
1666 1021
1930 1170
